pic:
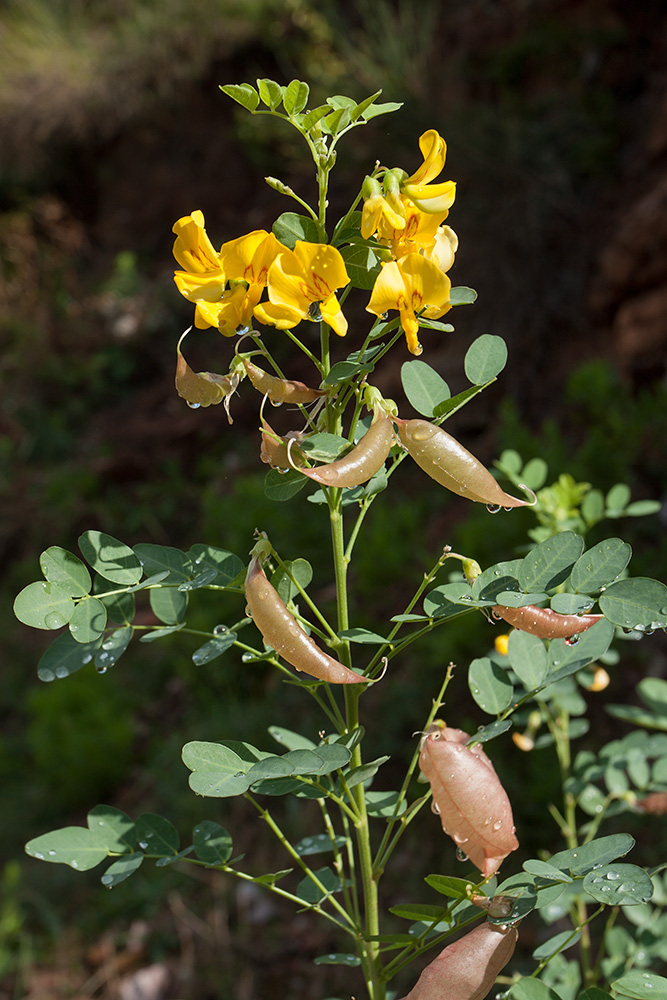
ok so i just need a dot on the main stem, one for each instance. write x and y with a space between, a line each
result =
370 948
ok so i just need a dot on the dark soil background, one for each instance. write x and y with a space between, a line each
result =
111 127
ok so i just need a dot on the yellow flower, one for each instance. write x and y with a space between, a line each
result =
298 280
501 643
203 279
412 285
246 262
444 248
418 188
377 210
418 233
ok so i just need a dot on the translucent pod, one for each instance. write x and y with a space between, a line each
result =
442 458
473 806
280 390
543 622
362 462
282 632
467 969
273 449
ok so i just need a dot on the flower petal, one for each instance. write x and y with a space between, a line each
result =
333 315
278 314
434 150
193 249
431 197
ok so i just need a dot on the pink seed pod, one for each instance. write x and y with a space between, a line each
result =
280 390
543 622
467 969
282 632
467 795
442 458
273 449
362 462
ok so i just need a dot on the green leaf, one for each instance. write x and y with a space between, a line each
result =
512 599
213 844
214 648
521 887
44 605
318 844
504 576
486 733
531 989
121 869
642 508
383 805
359 109
343 371
325 447
75 846
485 359
617 499
528 658
641 986
450 598
160 633
337 959
556 944
336 121
88 620
653 692
227 565
592 507
358 775
110 558
550 563
157 835
161 558
361 264
121 608
567 657
62 567
168 604
311 893
639 603
423 386
571 604
218 772
457 888
545 871
462 296
534 473
295 97
456 402
314 116
489 686
283 486
619 885
270 93
114 827
380 109
425 912
594 993
290 227
243 94
64 657
593 856
293 741
362 635
272 877
298 570
600 565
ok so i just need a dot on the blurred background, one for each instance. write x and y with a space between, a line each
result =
112 126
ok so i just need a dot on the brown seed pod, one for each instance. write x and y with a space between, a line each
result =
280 390
467 969
442 458
282 632
543 622
362 462
467 795
273 449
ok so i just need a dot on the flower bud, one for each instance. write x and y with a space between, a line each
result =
467 969
467 795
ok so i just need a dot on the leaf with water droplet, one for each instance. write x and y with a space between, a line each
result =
636 602
114 826
88 620
112 559
640 986
629 885
64 568
490 686
160 836
549 564
121 869
600 565
169 604
75 846
528 658
213 648
64 657
44 605
212 843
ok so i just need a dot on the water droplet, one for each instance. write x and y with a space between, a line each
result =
143 844
435 808
613 875
74 864
314 312
418 350
627 630
572 640
61 672
101 668
108 644
497 825
461 855
384 316
649 631
54 620
39 856
87 658
458 839
493 508
240 329
193 406
276 402
220 629
52 854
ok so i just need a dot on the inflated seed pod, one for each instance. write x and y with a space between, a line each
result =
280 390
543 622
467 969
282 632
442 458
273 449
467 795
362 462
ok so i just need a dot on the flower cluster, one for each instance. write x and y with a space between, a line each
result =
402 218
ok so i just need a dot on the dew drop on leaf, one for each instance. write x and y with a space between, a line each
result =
493 508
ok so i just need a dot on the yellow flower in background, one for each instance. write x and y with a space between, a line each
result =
501 644
302 284
418 187
412 285
203 279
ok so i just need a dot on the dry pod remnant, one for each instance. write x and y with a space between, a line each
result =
467 795
467 969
